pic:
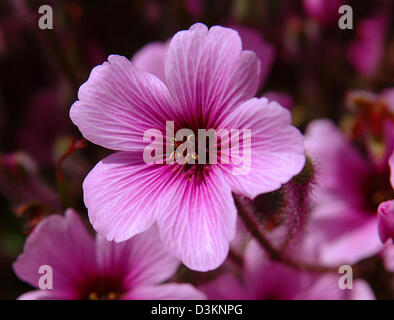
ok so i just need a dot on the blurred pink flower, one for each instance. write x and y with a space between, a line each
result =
284 99
324 11
366 51
194 7
253 40
151 58
262 279
210 83
84 268
44 122
20 181
386 220
349 190
387 254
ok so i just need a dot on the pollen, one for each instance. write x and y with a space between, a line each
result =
108 296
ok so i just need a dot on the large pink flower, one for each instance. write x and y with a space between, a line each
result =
87 269
350 188
209 84
262 279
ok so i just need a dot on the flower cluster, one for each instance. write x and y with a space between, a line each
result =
209 184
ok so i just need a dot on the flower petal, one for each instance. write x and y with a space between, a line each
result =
46 295
351 247
362 291
207 73
341 169
347 229
265 52
119 103
277 148
386 220
226 287
284 99
151 57
387 255
169 291
200 222
391 164
62 243
122 194
141 260
366 51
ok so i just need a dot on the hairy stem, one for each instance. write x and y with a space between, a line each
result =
254 228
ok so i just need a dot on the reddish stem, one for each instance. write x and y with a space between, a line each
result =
70 150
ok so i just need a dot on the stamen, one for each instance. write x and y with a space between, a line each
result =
109 296
93 296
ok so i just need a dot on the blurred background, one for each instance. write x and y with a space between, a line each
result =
312 68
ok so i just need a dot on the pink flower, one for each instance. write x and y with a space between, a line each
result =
21 182
210 83
194 7
84 268
366 51
282 98
265 52
350 188
151 57
324 11
386 220
387 255
44 122
262 279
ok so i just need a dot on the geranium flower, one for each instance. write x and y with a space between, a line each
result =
262 279
209 84
350 187
84 268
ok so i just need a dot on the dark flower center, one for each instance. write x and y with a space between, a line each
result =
197 153
101 288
